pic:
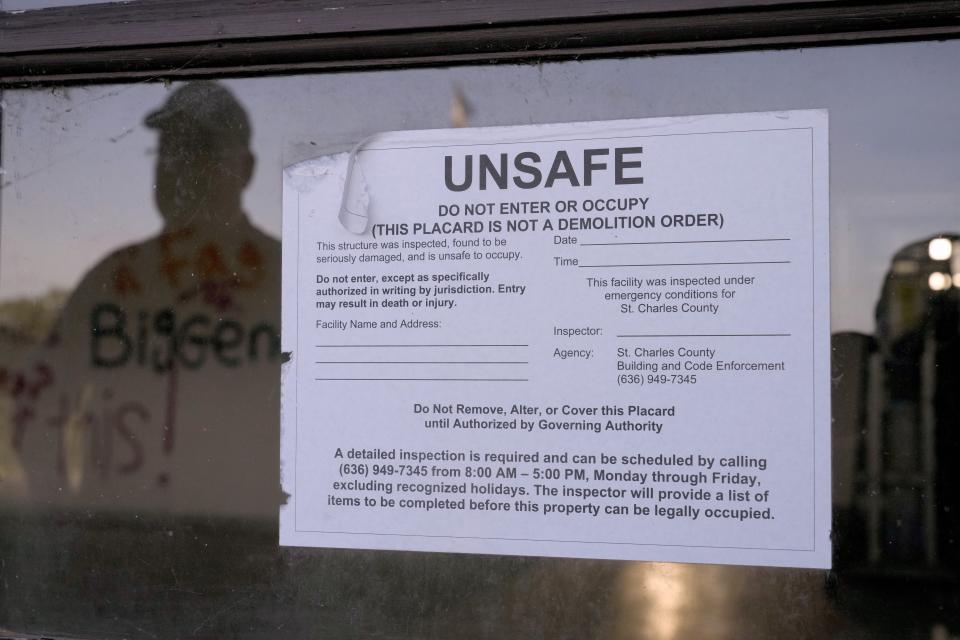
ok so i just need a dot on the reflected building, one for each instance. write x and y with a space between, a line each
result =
896 419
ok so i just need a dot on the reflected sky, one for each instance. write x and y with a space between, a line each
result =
30 5
78 161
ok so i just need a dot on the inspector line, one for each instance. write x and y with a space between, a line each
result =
704 335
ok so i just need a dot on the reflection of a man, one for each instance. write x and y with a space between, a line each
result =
158 388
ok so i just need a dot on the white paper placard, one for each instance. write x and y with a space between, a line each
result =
600 340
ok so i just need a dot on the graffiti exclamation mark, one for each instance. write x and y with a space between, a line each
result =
169 422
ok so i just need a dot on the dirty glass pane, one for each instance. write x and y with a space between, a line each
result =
31 5
140 363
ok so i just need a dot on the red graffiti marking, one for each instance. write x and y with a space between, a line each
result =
170 265
125 282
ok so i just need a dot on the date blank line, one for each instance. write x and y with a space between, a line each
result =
617 244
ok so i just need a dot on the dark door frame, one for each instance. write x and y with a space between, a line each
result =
161 39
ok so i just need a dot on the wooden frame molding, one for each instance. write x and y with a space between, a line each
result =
152 39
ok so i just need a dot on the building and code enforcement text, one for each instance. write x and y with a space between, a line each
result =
603 340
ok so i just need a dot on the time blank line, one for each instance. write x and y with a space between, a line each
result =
682 264
616 244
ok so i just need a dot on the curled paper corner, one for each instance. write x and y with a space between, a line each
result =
303 175
354 211
355 202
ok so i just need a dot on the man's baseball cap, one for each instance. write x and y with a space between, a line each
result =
203 107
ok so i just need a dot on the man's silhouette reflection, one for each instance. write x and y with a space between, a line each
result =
158 389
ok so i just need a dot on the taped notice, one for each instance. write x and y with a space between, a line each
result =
601 340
